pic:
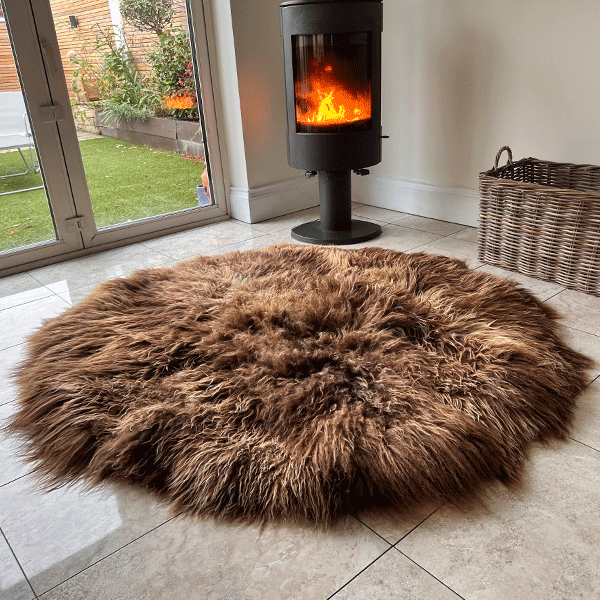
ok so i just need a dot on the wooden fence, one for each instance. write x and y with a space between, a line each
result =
92 15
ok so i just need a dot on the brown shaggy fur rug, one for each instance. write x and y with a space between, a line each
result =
297 382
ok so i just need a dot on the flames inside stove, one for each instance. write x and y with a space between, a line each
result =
332 82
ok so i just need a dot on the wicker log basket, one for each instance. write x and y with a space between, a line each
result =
542 219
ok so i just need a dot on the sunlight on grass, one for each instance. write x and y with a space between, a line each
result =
126 181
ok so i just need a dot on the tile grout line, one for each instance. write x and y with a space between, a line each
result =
18 563
554 295
419 524
431 574
66 262
13 346
399 224
390 548
360 572
407 533
43 284
583 444
5 278
443 237
254 237
409 215
70 304
177 260
578 330
109 554
50 295
37 280
161 254
16 479
372 530
587 385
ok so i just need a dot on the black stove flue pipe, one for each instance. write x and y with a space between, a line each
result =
334 152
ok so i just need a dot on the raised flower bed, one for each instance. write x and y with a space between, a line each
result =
184 137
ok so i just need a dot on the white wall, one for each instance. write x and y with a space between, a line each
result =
460 79
259 56
464 77
224 70
250 68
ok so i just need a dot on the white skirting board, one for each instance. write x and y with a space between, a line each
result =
453 204
273 200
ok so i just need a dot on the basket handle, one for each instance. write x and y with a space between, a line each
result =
509 162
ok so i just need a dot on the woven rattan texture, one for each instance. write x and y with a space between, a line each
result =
542 219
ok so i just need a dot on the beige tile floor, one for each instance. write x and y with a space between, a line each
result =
538 542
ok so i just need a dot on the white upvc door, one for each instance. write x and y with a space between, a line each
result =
36 51
61 238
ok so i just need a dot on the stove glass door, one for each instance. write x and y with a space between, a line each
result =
332 82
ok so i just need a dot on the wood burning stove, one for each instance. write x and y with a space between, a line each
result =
332 57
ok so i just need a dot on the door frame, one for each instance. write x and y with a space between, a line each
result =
44 83
27 52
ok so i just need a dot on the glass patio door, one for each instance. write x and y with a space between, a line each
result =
31 227
139 167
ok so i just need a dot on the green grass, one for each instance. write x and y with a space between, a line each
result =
25 217
126 182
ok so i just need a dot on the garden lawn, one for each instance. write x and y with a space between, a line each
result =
126 181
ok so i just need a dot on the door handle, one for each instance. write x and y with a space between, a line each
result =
52 113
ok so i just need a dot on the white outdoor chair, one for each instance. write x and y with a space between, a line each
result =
15 134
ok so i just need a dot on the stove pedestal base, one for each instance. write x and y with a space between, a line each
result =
360 231
336 225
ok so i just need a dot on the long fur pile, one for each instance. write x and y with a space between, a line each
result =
297 382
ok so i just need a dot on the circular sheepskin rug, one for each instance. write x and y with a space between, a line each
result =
297 382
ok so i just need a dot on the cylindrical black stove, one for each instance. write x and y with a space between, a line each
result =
332 58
